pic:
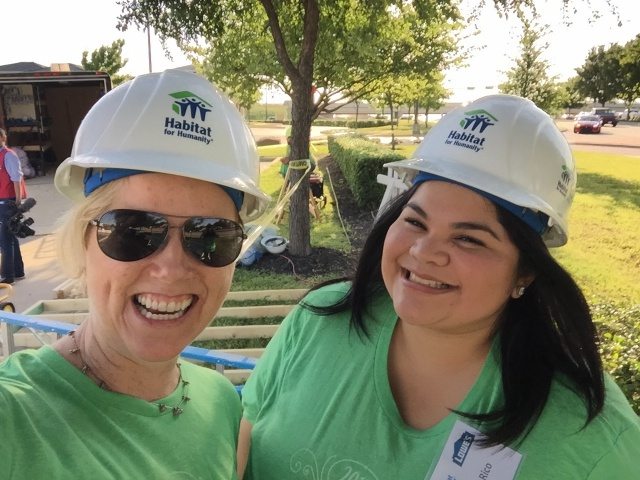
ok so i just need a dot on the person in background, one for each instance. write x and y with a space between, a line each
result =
163 172
12 192
460 348
27 169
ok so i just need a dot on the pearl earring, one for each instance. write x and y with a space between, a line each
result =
518 292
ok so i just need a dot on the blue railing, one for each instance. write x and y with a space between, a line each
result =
203 355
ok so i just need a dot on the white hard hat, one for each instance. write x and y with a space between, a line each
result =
508 148
173 122
274 243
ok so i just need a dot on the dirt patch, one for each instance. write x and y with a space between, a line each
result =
327 261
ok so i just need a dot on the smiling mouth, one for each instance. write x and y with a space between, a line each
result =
412 277
155 309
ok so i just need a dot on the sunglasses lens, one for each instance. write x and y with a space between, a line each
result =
130 235
216 242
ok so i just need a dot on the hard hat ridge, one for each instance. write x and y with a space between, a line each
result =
173 122
504 146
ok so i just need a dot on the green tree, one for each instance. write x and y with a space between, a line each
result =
599 76
394 91
108 59
529 76
432 95
630 73
337 48
323 46
569 97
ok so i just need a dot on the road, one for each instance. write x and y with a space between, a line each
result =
623 139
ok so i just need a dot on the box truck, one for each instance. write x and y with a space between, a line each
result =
41 110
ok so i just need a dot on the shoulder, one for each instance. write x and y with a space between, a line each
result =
562 428
616 414
19 364
328 294
20 372
11 155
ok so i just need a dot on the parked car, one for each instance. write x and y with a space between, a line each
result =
588 124
633 113
607 115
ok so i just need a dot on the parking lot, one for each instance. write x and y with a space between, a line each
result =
623 139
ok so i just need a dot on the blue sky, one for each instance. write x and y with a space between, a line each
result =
49 32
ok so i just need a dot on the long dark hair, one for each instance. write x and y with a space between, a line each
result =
547 331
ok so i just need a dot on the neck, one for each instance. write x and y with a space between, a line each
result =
442 352
113 371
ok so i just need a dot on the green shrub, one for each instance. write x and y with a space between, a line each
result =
351 123
360 161
619 329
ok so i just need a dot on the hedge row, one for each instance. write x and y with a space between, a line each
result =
360 161
619 329
347 123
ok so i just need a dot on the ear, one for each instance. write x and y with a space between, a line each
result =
521 285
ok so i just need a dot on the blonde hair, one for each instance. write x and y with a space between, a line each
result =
71 234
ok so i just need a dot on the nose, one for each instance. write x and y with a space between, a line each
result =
172 260
429 248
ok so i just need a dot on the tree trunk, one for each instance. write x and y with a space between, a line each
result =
416 125
299 225
393 136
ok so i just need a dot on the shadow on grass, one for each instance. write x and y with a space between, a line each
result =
622 192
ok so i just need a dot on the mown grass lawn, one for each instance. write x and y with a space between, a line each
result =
603 252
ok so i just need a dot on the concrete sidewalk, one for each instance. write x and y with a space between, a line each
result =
42 270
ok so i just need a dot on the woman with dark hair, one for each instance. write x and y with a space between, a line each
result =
461 349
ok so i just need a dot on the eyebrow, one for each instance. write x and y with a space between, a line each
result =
457 225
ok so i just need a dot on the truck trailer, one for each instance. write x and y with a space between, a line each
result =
41 108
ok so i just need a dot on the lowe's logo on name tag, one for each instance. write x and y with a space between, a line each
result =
461 447
463 459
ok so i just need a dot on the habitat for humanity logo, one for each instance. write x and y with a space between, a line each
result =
193 112
563 181
461 447
474 124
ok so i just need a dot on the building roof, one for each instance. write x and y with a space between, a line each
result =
30 67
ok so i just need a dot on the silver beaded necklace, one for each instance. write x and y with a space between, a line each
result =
163 408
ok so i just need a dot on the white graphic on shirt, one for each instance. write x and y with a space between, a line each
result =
305 463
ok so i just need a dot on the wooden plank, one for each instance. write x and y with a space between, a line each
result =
7 339
23 338
249 352
254 312
279 295
238 331
75 310
59 305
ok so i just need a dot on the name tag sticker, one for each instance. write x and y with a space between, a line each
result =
463 459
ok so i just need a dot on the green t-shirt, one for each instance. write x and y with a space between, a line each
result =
57 424
321 407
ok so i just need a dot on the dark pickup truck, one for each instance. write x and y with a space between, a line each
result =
607 115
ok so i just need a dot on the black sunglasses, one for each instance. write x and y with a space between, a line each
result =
130 235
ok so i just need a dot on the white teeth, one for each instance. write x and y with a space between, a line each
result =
429 283
163 310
